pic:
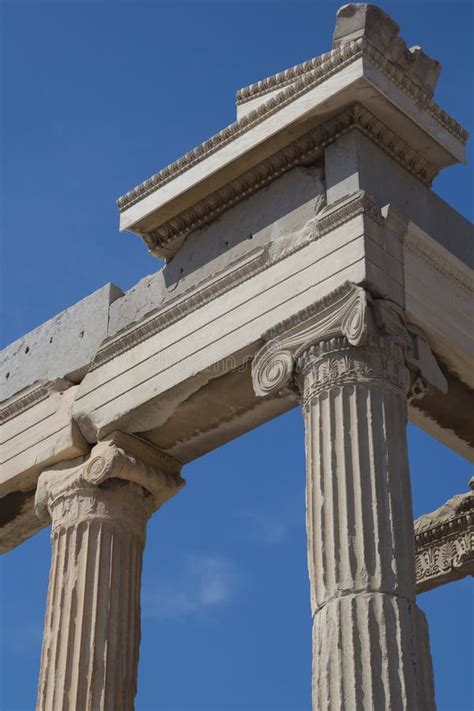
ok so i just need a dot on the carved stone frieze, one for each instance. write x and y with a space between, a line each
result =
280 80
306 76
445 542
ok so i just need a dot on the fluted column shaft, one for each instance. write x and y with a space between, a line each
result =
360 528
99 510
91 640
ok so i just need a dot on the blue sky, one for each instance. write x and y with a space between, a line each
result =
97 96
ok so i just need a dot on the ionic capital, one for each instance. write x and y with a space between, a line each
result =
346 318
341 313
121 474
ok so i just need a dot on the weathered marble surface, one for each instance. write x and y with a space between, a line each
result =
344 195
61 348
99 507
351 357
310 220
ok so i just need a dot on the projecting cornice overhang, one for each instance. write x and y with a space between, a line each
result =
289 119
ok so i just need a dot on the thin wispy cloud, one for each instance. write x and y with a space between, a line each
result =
263 527
202 582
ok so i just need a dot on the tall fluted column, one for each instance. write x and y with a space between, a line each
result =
360 525
370 645
99 509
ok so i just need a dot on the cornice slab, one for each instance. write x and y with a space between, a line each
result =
302 77
207 187
331 62
163 240
352 22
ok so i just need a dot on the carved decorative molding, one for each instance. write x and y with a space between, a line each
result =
445 542
330 63
304 150
337 61
236 274
334 363
408 156
420 97
337 214
18 404
305 72
281 79
289 76
16 407
176 309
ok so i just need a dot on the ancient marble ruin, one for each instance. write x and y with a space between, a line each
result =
303 240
